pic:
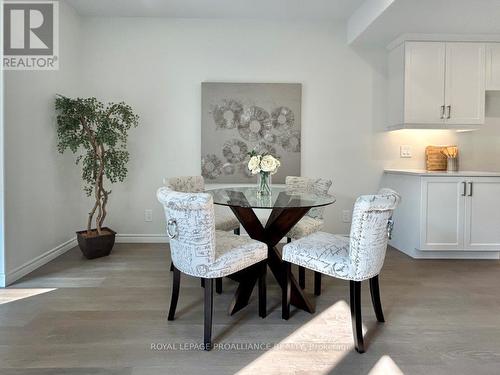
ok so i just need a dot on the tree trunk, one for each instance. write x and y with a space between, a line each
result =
101 196
104 202
91 215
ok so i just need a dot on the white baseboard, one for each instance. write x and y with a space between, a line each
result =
39 261
141 238
417 254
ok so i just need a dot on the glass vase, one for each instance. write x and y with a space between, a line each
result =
264 184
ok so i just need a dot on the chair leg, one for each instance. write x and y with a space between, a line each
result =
171 266
175 293
286 292
357 327
317 283
302 277
377 305
263 291
209 296
218 285
237 231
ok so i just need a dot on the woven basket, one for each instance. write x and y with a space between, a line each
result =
434 158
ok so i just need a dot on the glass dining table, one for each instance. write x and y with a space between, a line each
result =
287 208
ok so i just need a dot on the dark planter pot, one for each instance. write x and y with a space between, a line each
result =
96 246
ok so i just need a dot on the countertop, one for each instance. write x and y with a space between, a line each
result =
423 172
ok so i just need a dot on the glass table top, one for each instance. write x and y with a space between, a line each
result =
280 197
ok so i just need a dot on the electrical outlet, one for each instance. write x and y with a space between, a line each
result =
148 215
405 151
346 216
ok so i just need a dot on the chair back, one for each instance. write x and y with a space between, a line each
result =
371 224
185 184
300 185
191 229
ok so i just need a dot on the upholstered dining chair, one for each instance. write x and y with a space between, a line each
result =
312 221
224 218
201 251
356 258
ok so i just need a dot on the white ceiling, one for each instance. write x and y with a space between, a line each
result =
373 21
467 17
266 9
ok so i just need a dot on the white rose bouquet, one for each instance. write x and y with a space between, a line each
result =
264 165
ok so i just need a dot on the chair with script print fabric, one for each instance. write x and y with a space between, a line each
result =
199 250
224 218
357 258
312 221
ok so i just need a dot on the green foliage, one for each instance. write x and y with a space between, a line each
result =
262 154
252 153
98 133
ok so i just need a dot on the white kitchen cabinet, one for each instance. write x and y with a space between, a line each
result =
460 213
424 83
482 214
442 214
464 83
446 215
493 66
436 85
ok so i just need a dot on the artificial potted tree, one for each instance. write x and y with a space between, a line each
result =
97 133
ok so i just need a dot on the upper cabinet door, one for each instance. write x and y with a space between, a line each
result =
424 82
493 66
465 80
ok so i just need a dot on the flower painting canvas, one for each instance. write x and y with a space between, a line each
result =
238 118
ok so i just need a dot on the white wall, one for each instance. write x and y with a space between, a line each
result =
156 65
481 149
2 191
42 188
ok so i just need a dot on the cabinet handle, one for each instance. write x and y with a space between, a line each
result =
442 112
470 189
464 191
449 111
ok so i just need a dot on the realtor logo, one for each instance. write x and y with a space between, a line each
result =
30 35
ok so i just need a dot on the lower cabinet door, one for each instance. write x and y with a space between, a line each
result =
482 214
442 213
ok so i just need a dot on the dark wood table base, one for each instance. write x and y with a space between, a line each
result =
281 220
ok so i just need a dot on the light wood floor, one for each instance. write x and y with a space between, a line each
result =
75 316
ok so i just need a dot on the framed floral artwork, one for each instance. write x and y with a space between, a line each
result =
237 118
